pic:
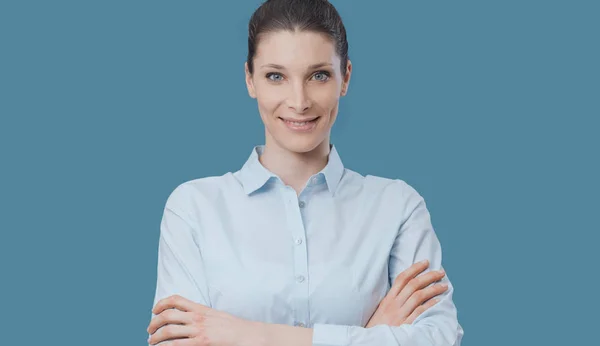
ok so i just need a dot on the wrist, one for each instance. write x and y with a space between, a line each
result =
260 334
282 334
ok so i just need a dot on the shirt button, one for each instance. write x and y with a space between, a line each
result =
298 241
300 278
299 324
301 204
314 180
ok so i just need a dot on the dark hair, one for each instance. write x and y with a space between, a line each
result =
303 15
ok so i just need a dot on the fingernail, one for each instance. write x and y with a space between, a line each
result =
442 271
444 285
423 262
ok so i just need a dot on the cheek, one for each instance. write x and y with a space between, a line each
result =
268 100
327 99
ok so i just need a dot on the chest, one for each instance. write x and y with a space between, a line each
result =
310 261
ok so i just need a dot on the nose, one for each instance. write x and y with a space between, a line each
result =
298 100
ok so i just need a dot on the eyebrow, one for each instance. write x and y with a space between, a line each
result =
311 67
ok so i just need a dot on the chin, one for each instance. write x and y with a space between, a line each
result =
300 145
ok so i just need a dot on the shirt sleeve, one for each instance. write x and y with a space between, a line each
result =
180 268
416 240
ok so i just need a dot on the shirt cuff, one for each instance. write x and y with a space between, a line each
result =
330 335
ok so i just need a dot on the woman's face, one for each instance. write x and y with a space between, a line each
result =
297 83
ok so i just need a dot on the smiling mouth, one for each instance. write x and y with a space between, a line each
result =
300 123
301 126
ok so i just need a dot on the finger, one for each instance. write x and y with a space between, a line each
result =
169 316
179 342
421 309
171 331
174 301
424 295
404 277
418 283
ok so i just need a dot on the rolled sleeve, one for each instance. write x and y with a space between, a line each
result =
384 335
330 335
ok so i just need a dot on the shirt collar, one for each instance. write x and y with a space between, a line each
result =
254 175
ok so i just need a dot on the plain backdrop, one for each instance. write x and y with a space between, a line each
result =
488 108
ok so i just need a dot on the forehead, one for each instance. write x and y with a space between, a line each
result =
295 49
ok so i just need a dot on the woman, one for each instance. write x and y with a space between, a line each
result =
294 248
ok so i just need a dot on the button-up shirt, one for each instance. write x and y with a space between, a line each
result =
247 244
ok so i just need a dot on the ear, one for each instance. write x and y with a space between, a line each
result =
346 81
249 82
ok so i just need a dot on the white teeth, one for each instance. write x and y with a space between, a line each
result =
296 123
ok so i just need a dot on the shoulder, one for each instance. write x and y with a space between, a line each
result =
395 188
390 193
401 198
199 190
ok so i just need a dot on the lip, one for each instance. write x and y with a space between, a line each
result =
310 126
299 120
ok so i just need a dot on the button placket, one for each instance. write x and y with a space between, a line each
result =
300 291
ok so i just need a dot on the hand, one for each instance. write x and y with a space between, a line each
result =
404 302
182 322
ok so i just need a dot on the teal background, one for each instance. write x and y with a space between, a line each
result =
488 108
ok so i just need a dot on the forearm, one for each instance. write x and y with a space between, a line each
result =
284 335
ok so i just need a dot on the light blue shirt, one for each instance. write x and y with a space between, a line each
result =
247 244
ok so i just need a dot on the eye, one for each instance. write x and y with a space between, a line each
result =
274 76
321 76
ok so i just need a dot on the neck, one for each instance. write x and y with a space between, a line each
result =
292 167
